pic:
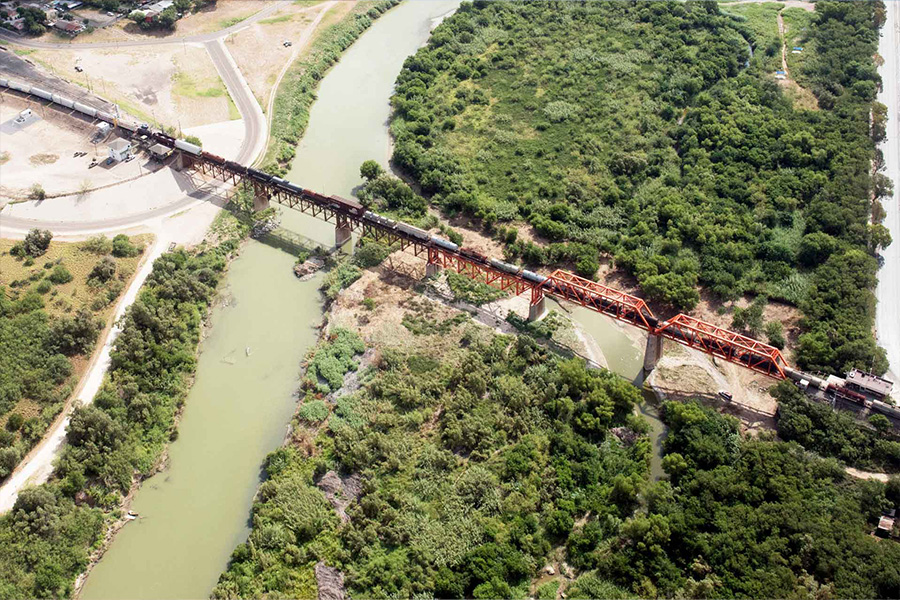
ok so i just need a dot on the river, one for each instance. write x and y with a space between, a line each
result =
194 513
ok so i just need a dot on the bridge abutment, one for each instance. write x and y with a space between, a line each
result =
432 269
537 309
181 162
653 351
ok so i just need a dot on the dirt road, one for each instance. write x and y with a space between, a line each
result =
888 313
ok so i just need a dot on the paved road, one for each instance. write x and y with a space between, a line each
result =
255 129
202 37
888 312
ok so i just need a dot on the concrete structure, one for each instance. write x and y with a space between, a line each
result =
342 234
432 269
885 526
653 351
868 383
119 149
537 310
159 152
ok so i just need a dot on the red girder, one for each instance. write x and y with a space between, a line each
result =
601 298
725 344
478 271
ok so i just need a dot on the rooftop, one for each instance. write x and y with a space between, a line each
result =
886 523
120 144
870 382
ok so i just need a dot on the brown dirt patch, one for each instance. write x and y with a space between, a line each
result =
43 159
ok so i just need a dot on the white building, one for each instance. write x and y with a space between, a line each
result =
120 149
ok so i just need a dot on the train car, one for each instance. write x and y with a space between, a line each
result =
532 276
846 394
258 175
213 158
445 244
278 181
85 109
129 126
235 167
4 82
293 187
63 101
19 86
414 232
474 256
886 409
505 267
351 205
379 220
42 93
164 139
105 116
188 147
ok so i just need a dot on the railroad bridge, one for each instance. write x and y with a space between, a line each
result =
349 216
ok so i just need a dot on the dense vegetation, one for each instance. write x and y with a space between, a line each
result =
645 131
50 318
298 89
45 541
749 518
471 466
835 433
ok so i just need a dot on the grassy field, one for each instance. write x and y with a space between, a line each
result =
38 295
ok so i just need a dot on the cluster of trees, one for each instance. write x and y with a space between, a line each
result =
34 19
658 140
828 432
473 465
750 518
47 537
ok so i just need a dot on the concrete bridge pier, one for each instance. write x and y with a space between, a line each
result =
537 309
432 269
653 351
260 201
181 162
342 233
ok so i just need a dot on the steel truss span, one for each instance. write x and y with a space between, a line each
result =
683 329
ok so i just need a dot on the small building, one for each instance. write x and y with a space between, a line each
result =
885 526
17 24
72 28
780 75
867 383
103 128
119 149
160 152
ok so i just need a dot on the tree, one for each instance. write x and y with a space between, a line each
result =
75 335
370 170
123 248
881 423
104 270
37 192
14 422
34 19
60 275
37 241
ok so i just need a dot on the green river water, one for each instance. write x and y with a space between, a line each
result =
194 513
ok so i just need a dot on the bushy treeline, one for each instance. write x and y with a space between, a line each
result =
636 130
830 432
751 519
47 537
298 89
471 467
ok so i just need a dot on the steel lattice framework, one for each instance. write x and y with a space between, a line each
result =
725 344
478 271
686 330
599 297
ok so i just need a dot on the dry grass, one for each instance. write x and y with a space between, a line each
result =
68 297
43 159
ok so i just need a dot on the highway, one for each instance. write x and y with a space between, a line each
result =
887 321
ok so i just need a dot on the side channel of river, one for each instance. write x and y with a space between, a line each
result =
194 513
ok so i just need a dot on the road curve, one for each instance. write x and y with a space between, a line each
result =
201 37
887 318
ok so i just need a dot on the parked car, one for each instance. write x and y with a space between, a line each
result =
288 43
726 396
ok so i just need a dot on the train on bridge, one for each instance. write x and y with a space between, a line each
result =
683 329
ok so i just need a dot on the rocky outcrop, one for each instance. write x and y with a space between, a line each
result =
330 582
340 491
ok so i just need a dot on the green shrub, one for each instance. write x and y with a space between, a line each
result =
60 275
314 411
